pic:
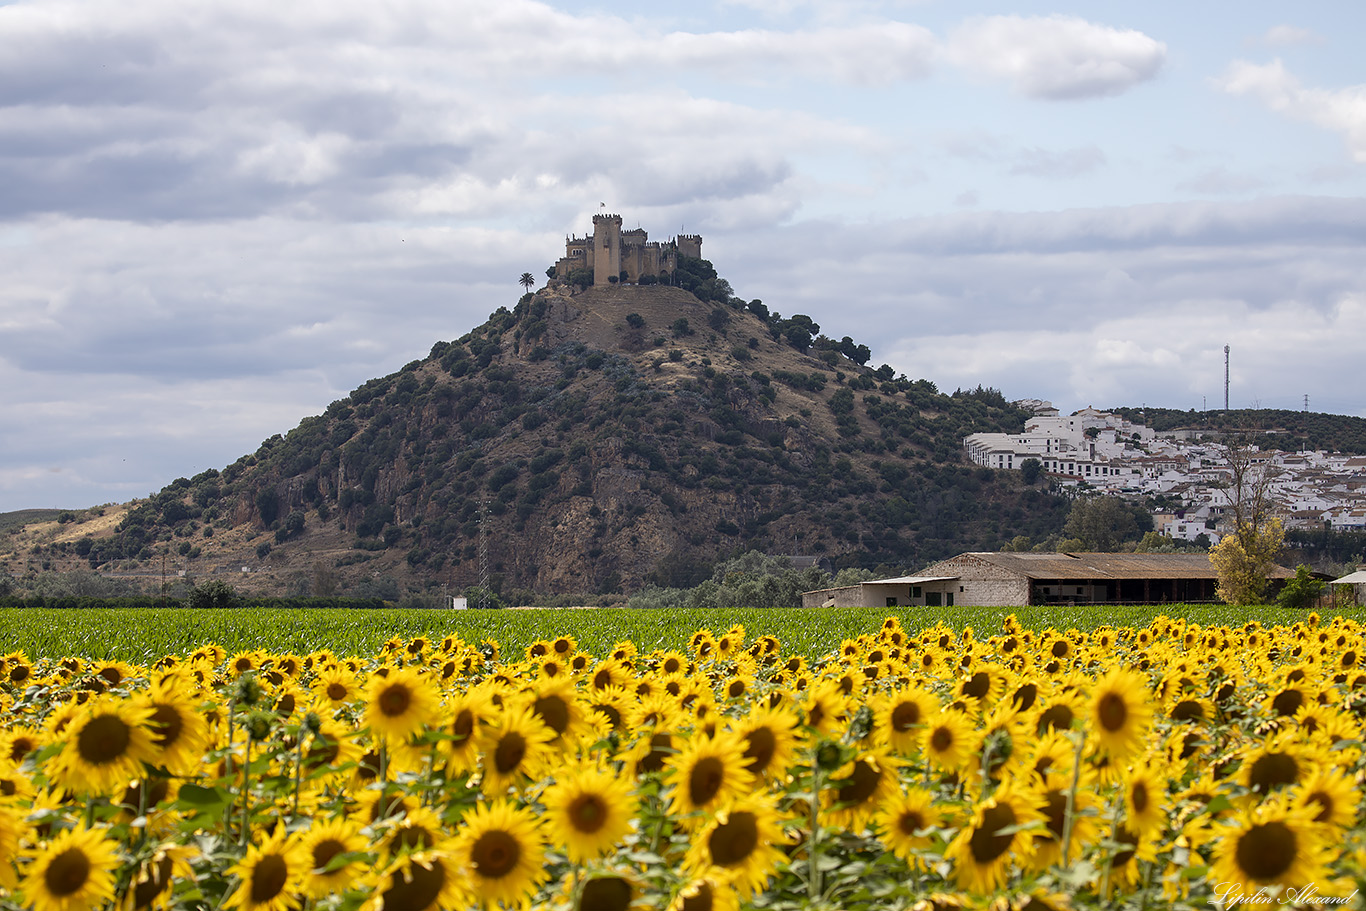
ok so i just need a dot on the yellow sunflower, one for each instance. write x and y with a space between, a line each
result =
947 740
904 820
513 749
1271 844
902 714
982 851
857 789
270 874
323 843
153 886
335 686
180 733
11 828
1328 792
609 892
739 844
706 893
588 812
706 774
425 881
104 746
501 849
73 872
769 736
1145 810
1120 712
466 715
400 703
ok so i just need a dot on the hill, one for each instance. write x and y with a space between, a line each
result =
613 435
1267 428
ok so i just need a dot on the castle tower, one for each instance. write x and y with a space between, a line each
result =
606 248
690 245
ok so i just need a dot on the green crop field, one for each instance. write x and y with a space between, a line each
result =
143 635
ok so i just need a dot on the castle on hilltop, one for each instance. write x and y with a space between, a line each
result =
612 251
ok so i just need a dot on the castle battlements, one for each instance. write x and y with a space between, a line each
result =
629 256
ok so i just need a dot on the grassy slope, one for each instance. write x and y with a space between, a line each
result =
144 635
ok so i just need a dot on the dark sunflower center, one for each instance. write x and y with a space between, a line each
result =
269 878
587 813
1287 702
413 838
67 873
20 747
1187 710
702 900
862 784
761 744
495 854
985 844
166 719
1324 801
418 891
553 711
910 822
336 692
602 679
732 842
1125 854
1112 712
324 851
1272 771
941 739
1055 717
105 739
1025 696
612 715
1139 794
395 700
156 880
606 893
978 685
1266 851
705 780
654 760
1055 812
905 716
132 795
509 753
463 726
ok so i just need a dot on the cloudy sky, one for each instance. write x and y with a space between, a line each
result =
216 218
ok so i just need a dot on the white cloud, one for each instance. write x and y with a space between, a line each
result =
1056 57
1289 35
1341 110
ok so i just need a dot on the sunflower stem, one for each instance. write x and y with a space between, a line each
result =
246 792
298 769
1069 815
813 847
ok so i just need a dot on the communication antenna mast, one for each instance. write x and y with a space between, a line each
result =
484 553
1306 401
1226 377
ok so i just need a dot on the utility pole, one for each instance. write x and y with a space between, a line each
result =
1226 377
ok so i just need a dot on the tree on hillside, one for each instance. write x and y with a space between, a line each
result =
527 281
1104 523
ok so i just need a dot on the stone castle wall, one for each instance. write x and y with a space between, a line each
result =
609 251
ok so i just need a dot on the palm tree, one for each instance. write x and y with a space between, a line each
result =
527 280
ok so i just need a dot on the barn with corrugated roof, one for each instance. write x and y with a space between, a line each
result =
1006 579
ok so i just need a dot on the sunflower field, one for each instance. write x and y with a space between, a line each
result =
1165 765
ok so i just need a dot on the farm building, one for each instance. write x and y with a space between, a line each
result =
1008 579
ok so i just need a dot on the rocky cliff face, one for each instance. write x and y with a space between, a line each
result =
590 442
